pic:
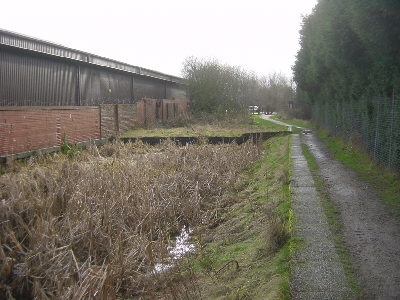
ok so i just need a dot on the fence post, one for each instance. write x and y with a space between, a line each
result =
116 114
391 131
326 122
351 112
344 121
377 127
101 132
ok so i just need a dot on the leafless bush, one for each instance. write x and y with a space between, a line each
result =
92 227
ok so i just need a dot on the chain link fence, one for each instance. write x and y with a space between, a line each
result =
373 123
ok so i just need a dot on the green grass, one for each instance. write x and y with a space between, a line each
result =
296 122
386 182
254 233
253 124
259 122
335 224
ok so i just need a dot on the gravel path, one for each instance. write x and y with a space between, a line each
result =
370 232
268 117
317 272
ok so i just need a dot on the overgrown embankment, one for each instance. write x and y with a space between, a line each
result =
245 254
96 223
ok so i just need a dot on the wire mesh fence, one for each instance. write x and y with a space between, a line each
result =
373 123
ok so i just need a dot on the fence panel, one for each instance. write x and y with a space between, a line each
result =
373 123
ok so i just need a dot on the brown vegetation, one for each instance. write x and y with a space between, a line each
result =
92 227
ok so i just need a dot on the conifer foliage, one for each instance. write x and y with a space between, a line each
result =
349 50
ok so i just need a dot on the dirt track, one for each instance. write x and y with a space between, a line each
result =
370 232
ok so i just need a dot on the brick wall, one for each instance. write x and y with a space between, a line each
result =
30 128
24 128
116 118
127 116
109 124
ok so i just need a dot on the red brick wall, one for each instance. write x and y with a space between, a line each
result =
127 116
117 118
30 128
109 124
24 128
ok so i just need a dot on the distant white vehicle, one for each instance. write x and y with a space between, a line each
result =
253 109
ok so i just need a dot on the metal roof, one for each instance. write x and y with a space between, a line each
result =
24 42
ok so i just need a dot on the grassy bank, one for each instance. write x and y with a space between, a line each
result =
386 182
245 255
225 128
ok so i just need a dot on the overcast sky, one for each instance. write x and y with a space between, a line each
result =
260 36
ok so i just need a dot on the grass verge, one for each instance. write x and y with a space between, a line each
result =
233 128
246 255
386 182
295 122
335 224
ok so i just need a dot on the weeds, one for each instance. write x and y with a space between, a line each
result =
68 148
93 225
246 255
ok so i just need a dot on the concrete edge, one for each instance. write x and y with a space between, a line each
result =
149 140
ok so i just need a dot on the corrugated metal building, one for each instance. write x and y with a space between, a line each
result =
39 73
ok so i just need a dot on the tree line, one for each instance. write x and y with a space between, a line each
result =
349 50
223 90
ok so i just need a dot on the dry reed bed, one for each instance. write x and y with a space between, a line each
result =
91 227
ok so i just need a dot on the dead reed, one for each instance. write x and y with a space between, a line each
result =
92 227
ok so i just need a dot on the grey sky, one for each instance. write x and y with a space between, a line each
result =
260 36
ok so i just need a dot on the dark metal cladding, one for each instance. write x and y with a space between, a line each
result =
35 72
102 86
175 91
26 80
149 88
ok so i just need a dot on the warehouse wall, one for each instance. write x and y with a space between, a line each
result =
99 86
32 79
